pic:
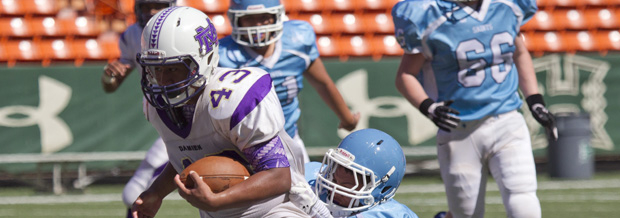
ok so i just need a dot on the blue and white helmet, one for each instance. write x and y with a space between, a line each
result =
256 36
177 35
372 155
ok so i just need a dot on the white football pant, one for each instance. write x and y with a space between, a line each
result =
499 144
155 157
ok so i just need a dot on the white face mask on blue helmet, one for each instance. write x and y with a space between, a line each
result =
256 36
378 165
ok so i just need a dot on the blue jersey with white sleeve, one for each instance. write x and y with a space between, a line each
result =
293 54
469 52
387 209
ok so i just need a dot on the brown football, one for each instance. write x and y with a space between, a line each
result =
219 172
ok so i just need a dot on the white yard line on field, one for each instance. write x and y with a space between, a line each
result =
64 199
405 189
545 185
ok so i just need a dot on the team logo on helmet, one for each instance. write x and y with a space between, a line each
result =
206 37
346 154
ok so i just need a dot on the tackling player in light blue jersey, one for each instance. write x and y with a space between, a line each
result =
285 49
464 61
357 179
294 53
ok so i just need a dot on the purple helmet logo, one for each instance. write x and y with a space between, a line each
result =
206 37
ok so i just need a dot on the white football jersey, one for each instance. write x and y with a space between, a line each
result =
238 109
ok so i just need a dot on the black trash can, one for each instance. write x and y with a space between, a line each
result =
571 156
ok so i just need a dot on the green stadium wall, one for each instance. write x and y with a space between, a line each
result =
63 108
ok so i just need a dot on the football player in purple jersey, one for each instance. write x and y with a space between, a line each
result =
200 109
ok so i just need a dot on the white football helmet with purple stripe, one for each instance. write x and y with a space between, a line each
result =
177 35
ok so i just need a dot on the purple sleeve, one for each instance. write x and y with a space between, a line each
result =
267 155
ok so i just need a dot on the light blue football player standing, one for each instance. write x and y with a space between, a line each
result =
287 50
463 63
359 178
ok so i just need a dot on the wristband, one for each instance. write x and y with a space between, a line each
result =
535 99
425 105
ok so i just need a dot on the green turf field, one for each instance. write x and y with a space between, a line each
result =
598 197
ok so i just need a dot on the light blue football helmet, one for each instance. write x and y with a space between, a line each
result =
451 7
372 155
256 36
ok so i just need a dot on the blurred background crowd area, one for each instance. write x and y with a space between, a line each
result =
75 31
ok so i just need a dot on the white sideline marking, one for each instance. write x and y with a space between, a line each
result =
569 198
546 185
406 189
65 199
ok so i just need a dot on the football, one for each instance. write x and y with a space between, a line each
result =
219 172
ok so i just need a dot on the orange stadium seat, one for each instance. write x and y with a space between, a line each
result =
600 3
383 5
385 45
221 23
603 18
379 23
58 49
50 26
15 27
328 46
24 50
571 19
542 20
320 22
83 26
5 55
302 6
580 41
95 49
540 42
347 23
608 40
355 46
340 5
18 27
576 3
207 6
29 7
557 3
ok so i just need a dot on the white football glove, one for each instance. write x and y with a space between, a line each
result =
302 195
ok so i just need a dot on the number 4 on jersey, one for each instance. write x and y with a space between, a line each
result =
217 95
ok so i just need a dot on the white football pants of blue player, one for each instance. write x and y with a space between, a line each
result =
300 151
150 167
500 144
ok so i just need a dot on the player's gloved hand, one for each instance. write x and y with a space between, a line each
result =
542 115
440 113
302 195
